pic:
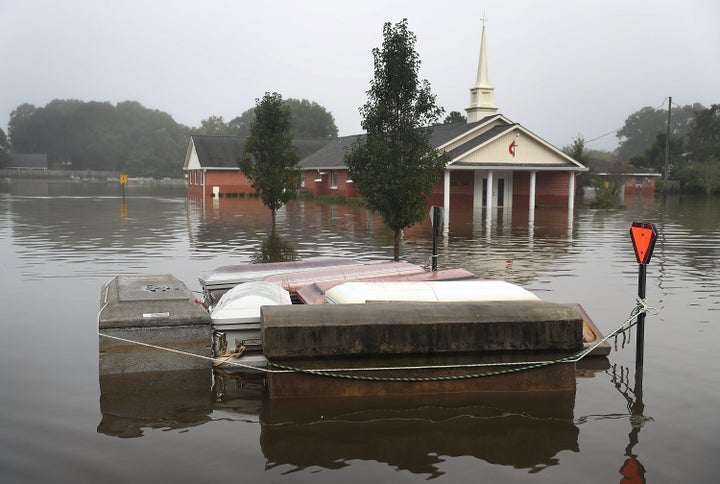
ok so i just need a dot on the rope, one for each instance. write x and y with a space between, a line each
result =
215 361
227 356
187 353
640 308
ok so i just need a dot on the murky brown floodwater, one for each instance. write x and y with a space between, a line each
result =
61 423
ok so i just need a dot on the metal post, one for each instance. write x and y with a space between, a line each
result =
436 223
642 271
667 148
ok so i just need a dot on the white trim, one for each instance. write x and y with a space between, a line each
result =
577 166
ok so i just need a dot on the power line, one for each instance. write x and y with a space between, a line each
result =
618 129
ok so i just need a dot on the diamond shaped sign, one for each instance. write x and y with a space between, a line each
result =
643 238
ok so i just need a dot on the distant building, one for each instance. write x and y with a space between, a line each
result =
211 167
635 181
36 162
494 161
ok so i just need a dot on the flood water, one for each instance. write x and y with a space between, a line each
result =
59 243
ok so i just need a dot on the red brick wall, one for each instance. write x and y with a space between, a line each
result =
551 187
521 188
461 184
639 185
325 187
229 182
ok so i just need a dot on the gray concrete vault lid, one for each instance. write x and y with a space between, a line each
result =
150 288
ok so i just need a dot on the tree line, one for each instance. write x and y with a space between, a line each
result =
78 135
128 137
693 148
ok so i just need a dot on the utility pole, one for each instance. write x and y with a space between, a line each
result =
667 147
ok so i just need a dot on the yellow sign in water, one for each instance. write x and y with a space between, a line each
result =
123 179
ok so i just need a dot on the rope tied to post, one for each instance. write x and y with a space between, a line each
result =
641 307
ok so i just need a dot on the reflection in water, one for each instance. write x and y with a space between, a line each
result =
275 249
172 399
123 212
417 434
632 470
523 431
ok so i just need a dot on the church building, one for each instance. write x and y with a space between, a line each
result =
494 162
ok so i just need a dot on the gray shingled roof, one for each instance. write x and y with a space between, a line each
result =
442 133
218 151
223 151
332 155
477 141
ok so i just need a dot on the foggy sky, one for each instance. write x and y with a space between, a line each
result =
560 68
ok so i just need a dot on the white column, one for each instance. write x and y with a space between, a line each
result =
489 198
571 192
531 207
477 191
446 202
446 191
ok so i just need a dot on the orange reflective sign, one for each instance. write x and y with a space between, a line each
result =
643 238
123 179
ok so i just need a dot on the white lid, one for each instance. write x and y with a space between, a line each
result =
242 303
444 291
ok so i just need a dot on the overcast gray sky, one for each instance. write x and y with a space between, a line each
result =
560 68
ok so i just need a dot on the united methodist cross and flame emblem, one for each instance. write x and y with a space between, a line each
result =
513 145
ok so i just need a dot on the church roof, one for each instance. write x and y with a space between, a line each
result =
223 151
332 155
481 139
462 139
218 151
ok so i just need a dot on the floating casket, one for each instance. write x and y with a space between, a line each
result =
236 318
224 278
427 291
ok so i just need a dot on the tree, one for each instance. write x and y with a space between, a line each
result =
4 149
607 188
642 127
18 128
454 117
704 148
654 156
99 136
308 120
395 167
240 125
269 160
577 152
215 126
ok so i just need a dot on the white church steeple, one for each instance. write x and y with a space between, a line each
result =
481 94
